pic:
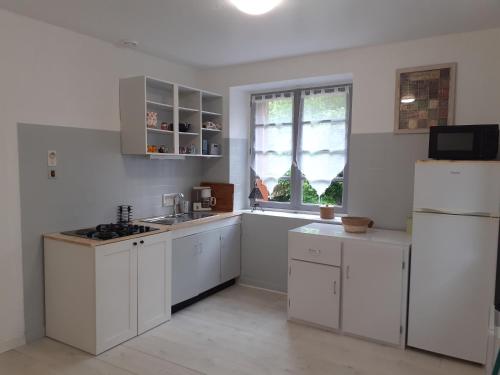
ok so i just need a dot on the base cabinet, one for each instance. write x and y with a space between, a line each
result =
372 290
363 276
98 297
314 293
204 260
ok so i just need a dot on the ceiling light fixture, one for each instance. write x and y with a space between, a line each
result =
256 7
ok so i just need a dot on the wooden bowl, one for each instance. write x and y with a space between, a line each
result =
355 224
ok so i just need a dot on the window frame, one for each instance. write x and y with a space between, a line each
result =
296 203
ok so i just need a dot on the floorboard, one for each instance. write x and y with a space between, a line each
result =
237 331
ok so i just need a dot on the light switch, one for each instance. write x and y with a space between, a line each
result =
51 158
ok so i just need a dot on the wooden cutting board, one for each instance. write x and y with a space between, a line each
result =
224 195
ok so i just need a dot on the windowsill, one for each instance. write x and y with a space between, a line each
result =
295 215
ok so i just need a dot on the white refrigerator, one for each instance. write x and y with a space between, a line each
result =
454 257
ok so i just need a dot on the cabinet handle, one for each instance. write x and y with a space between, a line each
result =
335 287
315 251
134 244
347 269
141 242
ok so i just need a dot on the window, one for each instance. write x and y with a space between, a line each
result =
299 149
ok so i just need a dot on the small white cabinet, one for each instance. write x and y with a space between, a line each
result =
372 290
362 275
204 260
314 293
100 296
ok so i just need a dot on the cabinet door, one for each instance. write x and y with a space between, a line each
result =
230 252
372 290
116 294
208 260
154 257
313 293
184 268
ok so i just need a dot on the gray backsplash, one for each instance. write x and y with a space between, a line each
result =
92 179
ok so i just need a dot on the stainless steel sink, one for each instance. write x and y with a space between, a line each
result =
170 220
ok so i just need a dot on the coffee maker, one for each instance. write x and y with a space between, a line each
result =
202 198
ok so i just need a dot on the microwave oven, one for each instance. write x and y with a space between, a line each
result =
463 142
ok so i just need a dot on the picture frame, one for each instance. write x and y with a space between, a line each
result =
425 97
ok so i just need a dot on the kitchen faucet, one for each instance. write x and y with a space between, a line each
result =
178 198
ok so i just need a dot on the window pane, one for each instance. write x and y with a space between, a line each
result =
273 146
323 147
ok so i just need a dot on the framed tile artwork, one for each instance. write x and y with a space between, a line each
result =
425 97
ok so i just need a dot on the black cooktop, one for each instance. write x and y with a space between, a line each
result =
110 231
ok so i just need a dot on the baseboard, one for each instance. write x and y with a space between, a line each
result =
12 344
264 289
255 283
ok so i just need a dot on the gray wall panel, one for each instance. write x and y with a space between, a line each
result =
93 178
381 172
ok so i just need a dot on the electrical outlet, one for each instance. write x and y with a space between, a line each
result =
52 175
167 200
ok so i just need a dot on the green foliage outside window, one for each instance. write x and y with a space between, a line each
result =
333 194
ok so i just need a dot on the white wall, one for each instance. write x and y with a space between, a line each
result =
50 75
373 71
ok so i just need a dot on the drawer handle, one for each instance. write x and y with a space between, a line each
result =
315 251
348 268
335 288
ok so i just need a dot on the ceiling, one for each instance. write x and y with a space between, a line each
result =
208 33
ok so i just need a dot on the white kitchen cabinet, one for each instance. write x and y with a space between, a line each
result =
209 250
204 259
100 296
314 293
372 290
173 104
154 262
185 254
116 294
230 252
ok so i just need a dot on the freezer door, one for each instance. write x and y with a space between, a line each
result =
458 187
452 284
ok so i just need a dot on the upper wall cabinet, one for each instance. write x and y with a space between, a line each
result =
162 119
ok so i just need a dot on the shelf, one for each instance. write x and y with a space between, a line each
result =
211 130
159 105
188 133
185 109
160 156
160 131
211 113
212 156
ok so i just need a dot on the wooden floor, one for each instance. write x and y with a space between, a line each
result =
237 331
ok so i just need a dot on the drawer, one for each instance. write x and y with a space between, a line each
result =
314 248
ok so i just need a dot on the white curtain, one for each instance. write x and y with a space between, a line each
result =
273 137
321 152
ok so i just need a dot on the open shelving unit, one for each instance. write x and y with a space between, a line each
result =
174 104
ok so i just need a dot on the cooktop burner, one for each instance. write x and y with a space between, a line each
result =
109 231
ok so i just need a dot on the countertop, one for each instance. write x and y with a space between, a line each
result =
394 237
161 229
